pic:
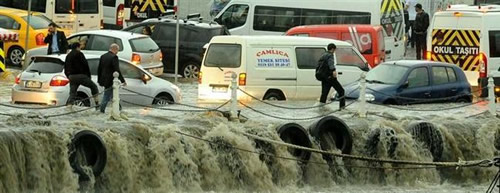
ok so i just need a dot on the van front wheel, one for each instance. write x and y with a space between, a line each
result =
274 96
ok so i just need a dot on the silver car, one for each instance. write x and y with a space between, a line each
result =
44 82
136 48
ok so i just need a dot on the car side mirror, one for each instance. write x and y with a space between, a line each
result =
406 84
145 78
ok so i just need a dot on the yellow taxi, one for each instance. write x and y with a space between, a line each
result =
16 21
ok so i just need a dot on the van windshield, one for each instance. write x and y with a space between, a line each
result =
224 55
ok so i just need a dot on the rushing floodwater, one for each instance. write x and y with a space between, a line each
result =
146 154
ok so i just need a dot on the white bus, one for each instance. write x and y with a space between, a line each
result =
274 17
73 15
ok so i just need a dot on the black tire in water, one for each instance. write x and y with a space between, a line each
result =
87 149
430 136
332 133
373 142
293 133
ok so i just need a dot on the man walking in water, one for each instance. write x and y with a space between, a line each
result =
327 74
108 64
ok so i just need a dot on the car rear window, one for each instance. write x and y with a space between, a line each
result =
224 55
144 44
46 65
38 21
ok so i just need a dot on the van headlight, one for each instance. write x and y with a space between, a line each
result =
369 97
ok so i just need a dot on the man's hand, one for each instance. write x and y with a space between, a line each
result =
334 74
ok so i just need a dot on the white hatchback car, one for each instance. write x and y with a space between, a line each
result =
136 48
44 83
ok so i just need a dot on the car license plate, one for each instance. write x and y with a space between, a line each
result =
33 84
219 89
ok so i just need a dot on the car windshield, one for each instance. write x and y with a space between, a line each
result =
46 65
386 74
38 21
144 44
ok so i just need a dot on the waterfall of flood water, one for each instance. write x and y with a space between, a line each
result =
150 156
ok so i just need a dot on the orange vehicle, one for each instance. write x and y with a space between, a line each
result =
368 39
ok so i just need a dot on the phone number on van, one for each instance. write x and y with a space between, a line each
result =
273 62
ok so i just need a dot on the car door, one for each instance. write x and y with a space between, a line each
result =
350 65
164 36
133 77
419 88
444 83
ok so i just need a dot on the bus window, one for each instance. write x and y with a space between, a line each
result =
234 16
109 3
87 6
38 5
275 18
350 17
310 17
77 6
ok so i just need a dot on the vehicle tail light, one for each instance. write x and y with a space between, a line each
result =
39 39
136 59
376 62
161 56
242 81
59 81
200 76
428 55
102 24
483 65
120 14
18 79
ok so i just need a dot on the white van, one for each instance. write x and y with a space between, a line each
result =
272 67
265 17
468 36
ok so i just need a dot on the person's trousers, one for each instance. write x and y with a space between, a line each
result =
106 97
326 85
421 44
75 81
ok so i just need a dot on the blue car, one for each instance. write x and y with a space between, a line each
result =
412 81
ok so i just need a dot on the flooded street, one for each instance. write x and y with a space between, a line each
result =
166 151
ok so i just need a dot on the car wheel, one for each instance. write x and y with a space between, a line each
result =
82 101
191 70
15 55
163 100
274 96
462 100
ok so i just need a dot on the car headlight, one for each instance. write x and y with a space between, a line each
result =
176 88
369 97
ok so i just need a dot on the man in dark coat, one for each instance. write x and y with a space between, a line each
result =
56 40
76 68
328 58
108 64
421 26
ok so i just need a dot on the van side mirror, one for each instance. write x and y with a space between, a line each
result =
145 78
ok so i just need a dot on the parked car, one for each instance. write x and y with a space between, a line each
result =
412 81
273 67
44 82
368 39
136 48
16 21
193 35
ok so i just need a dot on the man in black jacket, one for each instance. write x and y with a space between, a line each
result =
421 25
108 64
56 40
76 68
328 58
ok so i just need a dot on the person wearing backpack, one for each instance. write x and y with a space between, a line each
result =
326 73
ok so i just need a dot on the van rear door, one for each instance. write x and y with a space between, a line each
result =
456 39
221 60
